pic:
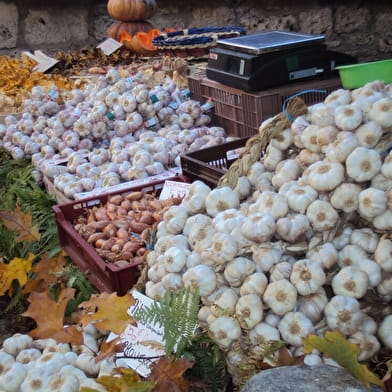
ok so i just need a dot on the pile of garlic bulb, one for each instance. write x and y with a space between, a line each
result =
28 364
116 129
300 242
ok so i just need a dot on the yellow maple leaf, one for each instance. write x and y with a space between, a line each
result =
108 312
345 353
16 269
21 223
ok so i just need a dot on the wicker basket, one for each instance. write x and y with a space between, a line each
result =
195 42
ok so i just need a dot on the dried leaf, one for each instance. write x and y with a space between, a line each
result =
20 222
16 269
45 273
108 312
107 349
168 374
49 316
286 359
345 353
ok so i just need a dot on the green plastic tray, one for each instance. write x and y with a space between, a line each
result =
357 75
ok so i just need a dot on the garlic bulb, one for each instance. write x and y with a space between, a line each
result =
222 249
259 227
255 283
194 202
369 134
350 281
250 310
346 197
237 270
281 270
202 277
366 238
307 276
221 199
294 326
299 197
372 202
368 344
326 254
381 112
363 164
384 331
224 302
325 176
312 306
292 227
339 150
322 215
343 313
280 297
382 254
348 117
225 330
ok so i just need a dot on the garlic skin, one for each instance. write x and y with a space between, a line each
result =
312 306
346 197
343 313
225 330
221 199
255 283
307 276
382 254
384 331
280 297
351 282
368 344
250 310
363 164
294 326
322 215
263 333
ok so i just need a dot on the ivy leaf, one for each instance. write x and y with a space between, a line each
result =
345 353
20 222
168 374
107 312
16 269
49 316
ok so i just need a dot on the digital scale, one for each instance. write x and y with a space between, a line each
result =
272 58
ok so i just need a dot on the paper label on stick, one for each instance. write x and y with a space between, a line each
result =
109 46
174 189
144 343
43 61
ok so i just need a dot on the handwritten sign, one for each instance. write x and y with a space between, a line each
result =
141 342
174 189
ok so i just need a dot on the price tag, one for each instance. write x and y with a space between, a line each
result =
174 189
43 61
109 46
143 344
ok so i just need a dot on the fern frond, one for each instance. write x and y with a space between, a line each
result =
176 312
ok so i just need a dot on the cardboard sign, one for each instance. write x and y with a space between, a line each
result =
174 189
142 342
109 46
43 61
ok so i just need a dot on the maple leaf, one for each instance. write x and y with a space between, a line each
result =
286 359
344 352
16 269
107 349
129 381
108 312
49 316
168 374
20 222
45 273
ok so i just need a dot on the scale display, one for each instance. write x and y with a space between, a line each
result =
269 41
272 58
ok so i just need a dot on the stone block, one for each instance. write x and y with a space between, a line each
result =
383 23
316 21
349 19
8 25
209 17
56 26
305 379
254 22
100 22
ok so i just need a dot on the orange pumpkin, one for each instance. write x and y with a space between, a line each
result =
116 29
142 44
131 10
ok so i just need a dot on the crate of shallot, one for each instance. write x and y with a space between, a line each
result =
107 236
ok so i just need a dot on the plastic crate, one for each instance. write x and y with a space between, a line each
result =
103 275
240 113
211 163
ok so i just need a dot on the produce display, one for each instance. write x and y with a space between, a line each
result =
121 127
300 243
123 229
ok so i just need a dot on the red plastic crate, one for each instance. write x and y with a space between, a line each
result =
211 163
103 275
240 113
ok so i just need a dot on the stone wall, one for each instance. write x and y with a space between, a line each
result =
359 28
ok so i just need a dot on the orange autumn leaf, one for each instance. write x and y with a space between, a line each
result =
16 269
45 273
49 316
20 222
168 374
107 312
107 349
